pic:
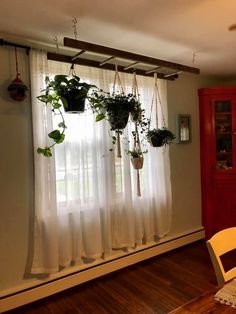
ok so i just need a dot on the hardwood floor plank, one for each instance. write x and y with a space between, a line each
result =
157 285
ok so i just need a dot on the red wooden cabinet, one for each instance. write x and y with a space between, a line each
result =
217 108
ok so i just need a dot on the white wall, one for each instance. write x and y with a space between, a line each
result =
16 171
185 158
16 167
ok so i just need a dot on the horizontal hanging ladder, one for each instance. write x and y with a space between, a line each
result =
107 66
135 58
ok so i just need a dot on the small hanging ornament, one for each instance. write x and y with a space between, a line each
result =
17 89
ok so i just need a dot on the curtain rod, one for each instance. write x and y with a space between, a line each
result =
7 43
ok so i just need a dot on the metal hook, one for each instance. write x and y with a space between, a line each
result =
56 41
194 57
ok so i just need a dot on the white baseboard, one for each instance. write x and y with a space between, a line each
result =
48 288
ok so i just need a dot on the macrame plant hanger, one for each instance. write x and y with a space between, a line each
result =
117 82
137 146
155 99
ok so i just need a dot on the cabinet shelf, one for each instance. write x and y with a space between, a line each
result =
224 133
223 153
223 113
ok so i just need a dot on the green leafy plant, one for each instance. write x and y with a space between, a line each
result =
105 104
136 152
137 159
66 92
115 108
160 137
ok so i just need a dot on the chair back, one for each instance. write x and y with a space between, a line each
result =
222 242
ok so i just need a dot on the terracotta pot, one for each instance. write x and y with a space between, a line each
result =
137 162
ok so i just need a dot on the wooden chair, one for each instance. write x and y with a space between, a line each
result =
222 242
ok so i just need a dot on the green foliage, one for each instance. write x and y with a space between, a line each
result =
57 136
136 152
100 116
164 134
115 108
56 95
107 105
45 151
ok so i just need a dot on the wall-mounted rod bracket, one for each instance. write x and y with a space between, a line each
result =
7 43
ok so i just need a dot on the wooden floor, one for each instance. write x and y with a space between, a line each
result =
158 285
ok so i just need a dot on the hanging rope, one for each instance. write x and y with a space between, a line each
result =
117 82
17 89
17 70
135 86
137 146
155 100
136 95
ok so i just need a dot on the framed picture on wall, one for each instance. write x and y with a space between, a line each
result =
183 128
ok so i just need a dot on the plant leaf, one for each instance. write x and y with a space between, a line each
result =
44 98
100 117
64 102
62 125
45 151
56 105
55 134
60 139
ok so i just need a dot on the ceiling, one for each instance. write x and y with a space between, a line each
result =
190 32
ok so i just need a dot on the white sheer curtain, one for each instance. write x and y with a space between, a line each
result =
86 203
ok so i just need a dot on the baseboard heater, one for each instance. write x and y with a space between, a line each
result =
59 284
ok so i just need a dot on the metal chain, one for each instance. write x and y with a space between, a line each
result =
74 26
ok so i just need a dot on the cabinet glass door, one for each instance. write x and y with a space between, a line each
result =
223 135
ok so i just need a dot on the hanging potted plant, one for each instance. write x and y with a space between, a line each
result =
136 157
137 161
139 141
160 137
115 108
63 92
71 92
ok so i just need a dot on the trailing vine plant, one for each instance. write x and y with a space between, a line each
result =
59 93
